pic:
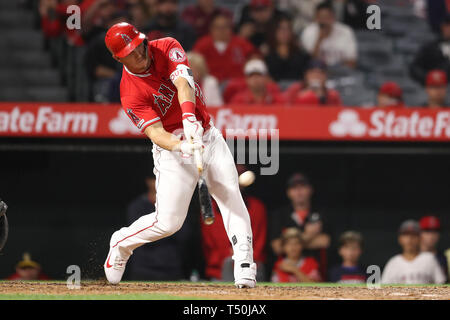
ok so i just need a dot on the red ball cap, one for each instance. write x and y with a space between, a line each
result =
391 89
430 223
122 38
436 78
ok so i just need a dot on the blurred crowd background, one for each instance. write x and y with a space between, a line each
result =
310 52
283 52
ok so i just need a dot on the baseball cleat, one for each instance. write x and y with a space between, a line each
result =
246 275
115 264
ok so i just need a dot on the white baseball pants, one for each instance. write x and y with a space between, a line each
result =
176 180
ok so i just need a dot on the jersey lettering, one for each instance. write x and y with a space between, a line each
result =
133 117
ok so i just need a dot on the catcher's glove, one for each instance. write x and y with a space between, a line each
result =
3 224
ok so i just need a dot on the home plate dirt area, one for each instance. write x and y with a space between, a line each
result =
177 290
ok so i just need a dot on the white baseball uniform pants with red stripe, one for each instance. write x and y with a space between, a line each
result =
176 180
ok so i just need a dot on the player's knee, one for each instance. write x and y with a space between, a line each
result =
170 227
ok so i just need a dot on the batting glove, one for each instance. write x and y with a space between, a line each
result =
193 130
188 148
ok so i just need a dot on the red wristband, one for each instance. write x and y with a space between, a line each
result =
188 107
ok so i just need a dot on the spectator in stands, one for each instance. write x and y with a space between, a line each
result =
53 16
96 17
28 269
256 19
224 52
293 266
200 15
140 13
302 12
390 95
158 261
351 12
285 59
436 88
412 266
299 213
437 10
350 250
313 90
216 245
257 91
209 84
103 70
430 227
433 55
329 40
168 24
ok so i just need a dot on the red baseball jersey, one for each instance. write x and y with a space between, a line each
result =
151 96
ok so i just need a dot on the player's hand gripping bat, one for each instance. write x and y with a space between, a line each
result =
203 193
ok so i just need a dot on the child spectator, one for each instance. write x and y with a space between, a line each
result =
257 86
224 52
390 95
436 88
350 250
313 90
208 84
285 59
200 15
329 40
293 267
412 266
430 227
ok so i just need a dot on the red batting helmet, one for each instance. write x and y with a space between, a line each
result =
122 38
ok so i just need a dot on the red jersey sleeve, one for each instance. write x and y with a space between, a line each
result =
140 113
175 55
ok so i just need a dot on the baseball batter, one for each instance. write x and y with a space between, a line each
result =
159 95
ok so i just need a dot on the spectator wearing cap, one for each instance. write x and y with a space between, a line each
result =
436 88
257 91
412 266
299 213
313 90
208 83
292 266
329 40
433 55
216 244
350 250
27 269
256 19
224 52
285 59
167 23
390 95
430 228
200 15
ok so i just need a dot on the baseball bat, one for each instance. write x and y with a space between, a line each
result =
203 193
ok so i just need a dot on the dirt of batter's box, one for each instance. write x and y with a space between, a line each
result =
220 291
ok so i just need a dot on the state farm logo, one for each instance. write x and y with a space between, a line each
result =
348 123
392 124
45 119
122 124
226 119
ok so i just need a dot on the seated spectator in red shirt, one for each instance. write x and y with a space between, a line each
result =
28 269
236 85
200 15
208 83
350 250
313 90
293 267
225 53
436 88
216 245
257 90
390 95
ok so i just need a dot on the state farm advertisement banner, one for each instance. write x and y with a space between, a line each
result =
294 123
